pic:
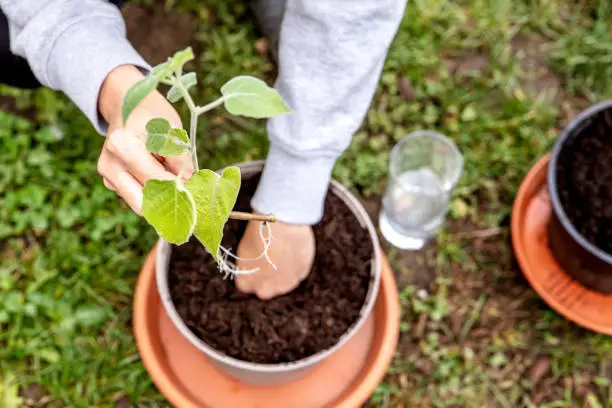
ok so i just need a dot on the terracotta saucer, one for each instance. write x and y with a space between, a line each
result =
530 215
188 380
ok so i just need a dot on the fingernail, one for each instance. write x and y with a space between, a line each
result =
139 203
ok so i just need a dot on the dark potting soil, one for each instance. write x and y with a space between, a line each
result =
584 181
287 328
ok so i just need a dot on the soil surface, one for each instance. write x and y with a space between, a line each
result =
584 177
157 33
311 318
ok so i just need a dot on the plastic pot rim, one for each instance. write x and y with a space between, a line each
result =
295 366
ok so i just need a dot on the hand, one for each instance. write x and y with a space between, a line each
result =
125 163
292 251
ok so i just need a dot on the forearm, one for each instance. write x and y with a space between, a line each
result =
331 57
72 46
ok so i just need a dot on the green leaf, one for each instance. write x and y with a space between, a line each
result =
9 391
136 94
156 130
593 402
180 58
178 138
252 97
170 209
164 140
188 80
162 70
89 315
174 94
13 301
468 114
498 359
144 87
49 354
215 196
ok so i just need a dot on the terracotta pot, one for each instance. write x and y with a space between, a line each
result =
531 217
582 260
273 373
186 377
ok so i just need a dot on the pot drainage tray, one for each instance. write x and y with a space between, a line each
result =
185 376
530 216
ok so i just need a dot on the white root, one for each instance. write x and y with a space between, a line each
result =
267 242
228 267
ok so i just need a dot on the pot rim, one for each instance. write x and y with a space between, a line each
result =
355 206
552 180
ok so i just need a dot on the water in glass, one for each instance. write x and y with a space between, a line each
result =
416 199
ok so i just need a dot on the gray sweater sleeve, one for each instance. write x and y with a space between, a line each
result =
331 54
71 45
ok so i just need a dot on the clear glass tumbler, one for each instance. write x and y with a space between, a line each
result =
425 168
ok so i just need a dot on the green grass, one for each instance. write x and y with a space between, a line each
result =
71 251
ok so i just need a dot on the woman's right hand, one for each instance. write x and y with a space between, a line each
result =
125 163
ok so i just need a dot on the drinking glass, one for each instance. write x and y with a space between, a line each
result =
424 169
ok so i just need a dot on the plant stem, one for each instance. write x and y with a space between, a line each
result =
182 171
238 215
201 109
193 127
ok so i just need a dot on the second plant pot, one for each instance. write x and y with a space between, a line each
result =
579 180
275 373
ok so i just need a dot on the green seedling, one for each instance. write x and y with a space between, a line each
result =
202 205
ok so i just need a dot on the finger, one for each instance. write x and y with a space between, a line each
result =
269 291
130 190
126 186
145 167
108 184
265 294
243 285
175 163
130 150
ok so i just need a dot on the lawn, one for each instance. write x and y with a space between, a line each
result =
501 78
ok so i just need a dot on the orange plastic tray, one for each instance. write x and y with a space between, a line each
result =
188 380
530 214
